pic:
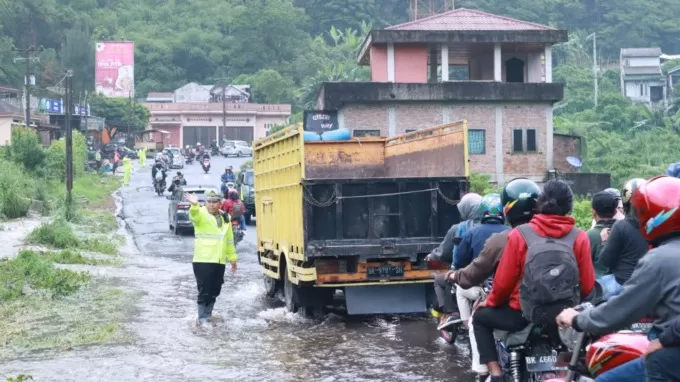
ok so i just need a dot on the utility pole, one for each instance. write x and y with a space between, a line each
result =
86 109
129 119
595 86
69 135
27 55
224 111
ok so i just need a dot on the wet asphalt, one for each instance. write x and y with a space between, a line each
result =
253 339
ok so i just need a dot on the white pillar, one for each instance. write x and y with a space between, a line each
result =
390 62
548 64
445 62
498 134
391 121
497 69
549 137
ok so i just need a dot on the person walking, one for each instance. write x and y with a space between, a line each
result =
214 246
127 170
142 157
116 161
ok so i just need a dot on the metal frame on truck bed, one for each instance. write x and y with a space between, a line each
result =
358 215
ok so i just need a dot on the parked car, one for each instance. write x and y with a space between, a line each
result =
236 148
178 160
178 209
132 154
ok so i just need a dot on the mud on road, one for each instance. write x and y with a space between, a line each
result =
253 338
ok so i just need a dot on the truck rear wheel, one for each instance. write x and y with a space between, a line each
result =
270 286
290 293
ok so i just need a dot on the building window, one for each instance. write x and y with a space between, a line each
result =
477 141
524 141
411 130
366 133
642 89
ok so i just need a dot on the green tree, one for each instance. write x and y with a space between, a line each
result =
118 113
270 86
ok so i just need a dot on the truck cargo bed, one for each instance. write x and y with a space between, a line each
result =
378 217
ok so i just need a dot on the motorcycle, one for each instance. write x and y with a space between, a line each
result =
159 187
189 158
238 234
206 165
215 151
451 332
589 356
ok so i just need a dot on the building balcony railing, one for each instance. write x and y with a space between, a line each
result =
217 107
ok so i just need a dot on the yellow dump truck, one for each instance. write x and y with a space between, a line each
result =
358 216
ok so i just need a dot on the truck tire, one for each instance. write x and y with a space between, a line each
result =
271 286
290 293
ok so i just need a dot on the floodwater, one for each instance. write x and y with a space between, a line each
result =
253 339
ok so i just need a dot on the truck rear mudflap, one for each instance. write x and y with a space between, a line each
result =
388 299
331 272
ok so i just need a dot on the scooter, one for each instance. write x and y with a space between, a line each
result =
159 187
238 234
206 165
189 158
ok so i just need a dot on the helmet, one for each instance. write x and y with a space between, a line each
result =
232 193
187 146
213 195
628 190
614 350
491 208
519 200
179 173
198 143
614 192
656 204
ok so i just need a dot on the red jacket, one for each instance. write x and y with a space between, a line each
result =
511 267
228 205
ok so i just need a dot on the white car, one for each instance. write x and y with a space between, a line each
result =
177 157
236 148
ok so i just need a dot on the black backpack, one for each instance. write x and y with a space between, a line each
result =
551 276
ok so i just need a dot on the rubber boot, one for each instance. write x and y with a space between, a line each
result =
209 309
202 316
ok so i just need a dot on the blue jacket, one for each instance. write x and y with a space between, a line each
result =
228 177
473 243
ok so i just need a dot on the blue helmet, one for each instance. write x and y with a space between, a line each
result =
491 209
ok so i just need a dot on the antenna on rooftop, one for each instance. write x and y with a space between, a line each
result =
419 9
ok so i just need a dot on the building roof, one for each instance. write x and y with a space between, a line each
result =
641 70
641 52
159 95
8 108
463 19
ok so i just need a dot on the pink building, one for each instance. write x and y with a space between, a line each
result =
189 123
493 71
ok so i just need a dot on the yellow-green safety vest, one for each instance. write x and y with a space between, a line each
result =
213 244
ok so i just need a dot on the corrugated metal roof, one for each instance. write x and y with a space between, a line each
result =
641 70
463 19
641 52
159 95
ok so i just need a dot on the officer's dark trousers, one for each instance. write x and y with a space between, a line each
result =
209 280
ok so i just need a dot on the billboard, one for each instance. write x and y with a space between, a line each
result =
114 73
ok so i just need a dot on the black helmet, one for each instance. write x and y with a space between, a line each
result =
613 192
628 189
519 200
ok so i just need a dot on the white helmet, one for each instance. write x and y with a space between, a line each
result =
198 144
187 146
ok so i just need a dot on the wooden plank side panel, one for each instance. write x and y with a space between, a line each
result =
345 159
437 152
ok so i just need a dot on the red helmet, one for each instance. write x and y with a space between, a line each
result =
614 350
656 204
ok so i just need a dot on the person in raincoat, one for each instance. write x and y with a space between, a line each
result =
214 246
142 157
127 170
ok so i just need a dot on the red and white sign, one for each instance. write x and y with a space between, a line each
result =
114 73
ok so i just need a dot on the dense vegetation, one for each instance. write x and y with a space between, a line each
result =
284 48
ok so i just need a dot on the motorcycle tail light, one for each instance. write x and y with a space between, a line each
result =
437 265
183 206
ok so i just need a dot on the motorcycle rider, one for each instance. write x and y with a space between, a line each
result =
619 209
623 245
469 248
468 209
228 176
519 204
214 246
177 181
158 166
604 207
235 208
669 341
653 288
501 310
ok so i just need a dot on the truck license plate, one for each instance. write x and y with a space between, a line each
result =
541 363
386 271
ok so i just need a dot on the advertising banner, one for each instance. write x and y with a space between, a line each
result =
115 68
320 120
47 105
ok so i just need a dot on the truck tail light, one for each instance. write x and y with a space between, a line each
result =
326 266
437 265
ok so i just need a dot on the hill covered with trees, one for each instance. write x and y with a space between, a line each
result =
284 48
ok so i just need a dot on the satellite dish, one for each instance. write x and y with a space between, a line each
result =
574 162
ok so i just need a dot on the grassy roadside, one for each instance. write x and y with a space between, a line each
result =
45 304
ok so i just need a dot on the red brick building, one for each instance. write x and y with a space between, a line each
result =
497 75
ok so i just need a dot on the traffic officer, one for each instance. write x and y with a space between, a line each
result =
214 246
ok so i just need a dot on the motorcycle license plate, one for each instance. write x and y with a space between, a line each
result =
542 363
642 327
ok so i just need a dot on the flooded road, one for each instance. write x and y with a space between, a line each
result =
254 339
